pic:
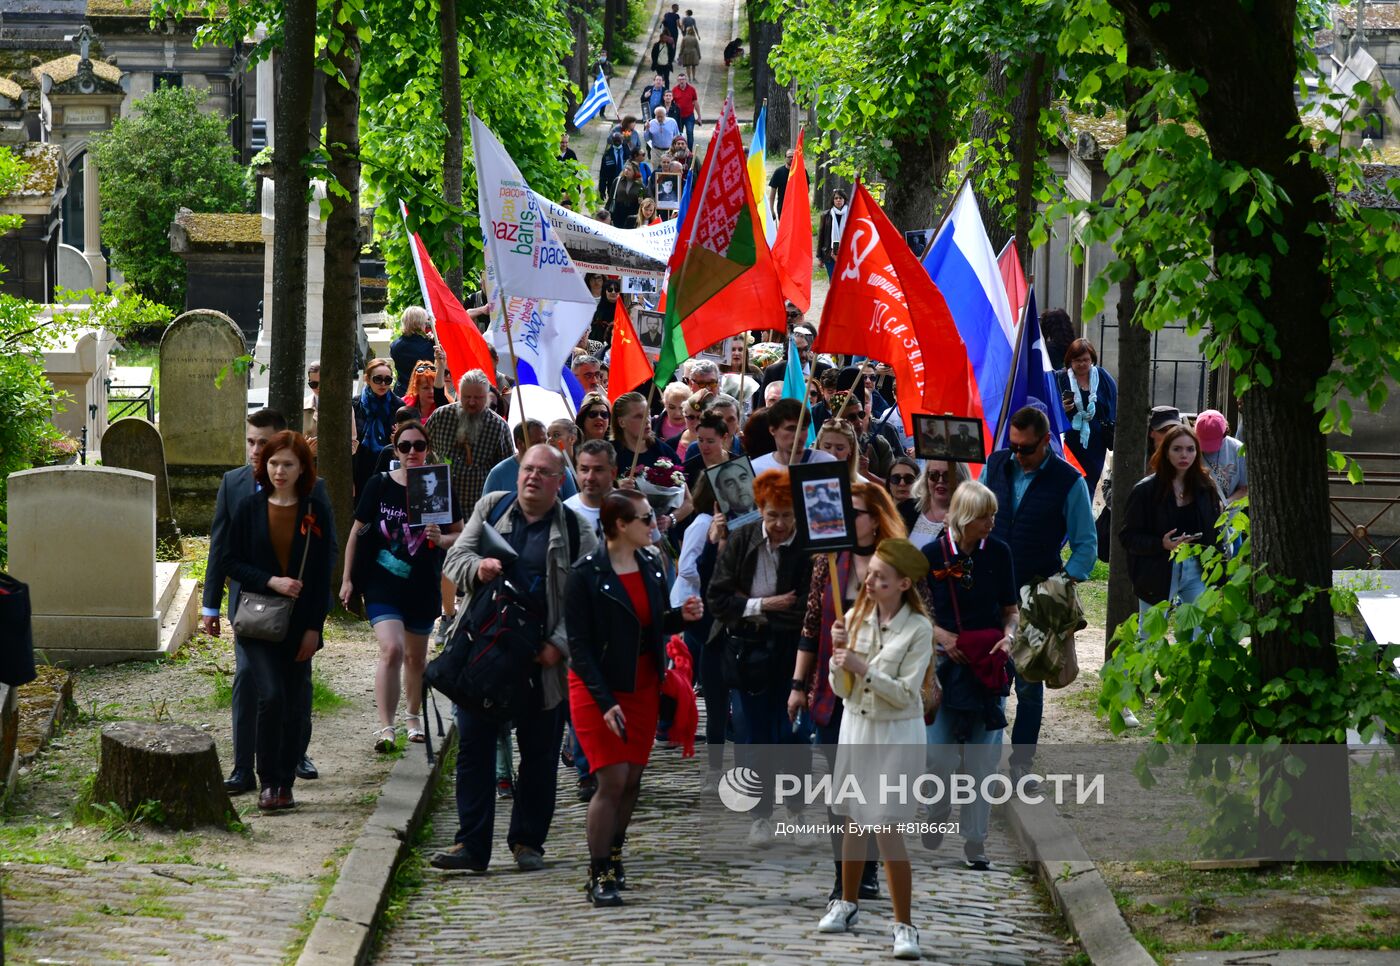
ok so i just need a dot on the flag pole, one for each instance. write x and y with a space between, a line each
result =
835 585
1011 377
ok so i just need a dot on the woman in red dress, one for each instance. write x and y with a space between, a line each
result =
618 627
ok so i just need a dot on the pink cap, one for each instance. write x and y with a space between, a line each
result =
1210 430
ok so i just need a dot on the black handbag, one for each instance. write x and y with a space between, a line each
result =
748 658
267 617
16 633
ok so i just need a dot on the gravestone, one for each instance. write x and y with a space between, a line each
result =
84 539
134 444
201 417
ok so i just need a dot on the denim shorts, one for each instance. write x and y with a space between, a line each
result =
388 612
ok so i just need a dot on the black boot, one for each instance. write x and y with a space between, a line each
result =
602 885
870 881
615 861
836 887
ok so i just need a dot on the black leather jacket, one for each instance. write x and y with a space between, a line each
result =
605 639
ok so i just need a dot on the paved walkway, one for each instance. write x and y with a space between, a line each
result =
686 904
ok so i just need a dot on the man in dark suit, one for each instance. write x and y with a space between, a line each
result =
237 486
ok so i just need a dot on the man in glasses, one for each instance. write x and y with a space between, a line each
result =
1042 502
588 370
470 437
547 538
503 475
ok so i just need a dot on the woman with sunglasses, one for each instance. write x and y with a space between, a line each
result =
427 389
397 568
374 418
600 330
876 521
619 623
972 584
933 495
594 417
904 473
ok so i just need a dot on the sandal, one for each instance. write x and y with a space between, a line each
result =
385 739
415 732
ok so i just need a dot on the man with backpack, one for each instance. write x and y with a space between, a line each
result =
524 562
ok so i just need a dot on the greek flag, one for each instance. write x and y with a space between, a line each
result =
597 99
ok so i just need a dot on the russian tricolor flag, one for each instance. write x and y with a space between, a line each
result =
963 265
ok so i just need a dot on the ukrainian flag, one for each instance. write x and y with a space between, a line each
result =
758 147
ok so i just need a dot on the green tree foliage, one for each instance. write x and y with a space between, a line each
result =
167 155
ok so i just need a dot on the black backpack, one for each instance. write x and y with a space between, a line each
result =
487 666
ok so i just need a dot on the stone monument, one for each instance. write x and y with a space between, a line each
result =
203 405
134 444
84 539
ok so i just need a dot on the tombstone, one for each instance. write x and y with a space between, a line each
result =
201 422
74 272
84 539
134 444
78 366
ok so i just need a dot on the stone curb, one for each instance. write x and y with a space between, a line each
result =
345 928
1075 885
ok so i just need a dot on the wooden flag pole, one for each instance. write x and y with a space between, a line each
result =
835 586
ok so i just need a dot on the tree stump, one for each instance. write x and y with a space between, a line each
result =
172 764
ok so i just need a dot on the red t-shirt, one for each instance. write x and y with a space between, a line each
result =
685 99
636 589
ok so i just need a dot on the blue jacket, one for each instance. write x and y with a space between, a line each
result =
1036 528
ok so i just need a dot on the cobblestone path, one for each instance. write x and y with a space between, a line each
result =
685 904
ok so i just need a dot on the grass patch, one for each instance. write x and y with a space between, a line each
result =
324 698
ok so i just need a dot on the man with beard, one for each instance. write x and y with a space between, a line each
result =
470 437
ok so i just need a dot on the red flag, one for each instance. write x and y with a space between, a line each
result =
792 248
882 304
461 340
628 366
1013 279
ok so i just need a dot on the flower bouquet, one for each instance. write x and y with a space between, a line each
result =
663 484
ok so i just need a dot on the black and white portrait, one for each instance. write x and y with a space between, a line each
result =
732 483
668 190
650 329
931 437
429 495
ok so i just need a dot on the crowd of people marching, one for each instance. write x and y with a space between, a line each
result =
665 620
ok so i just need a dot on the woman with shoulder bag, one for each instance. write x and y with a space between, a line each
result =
618 627
973 588
398 570
876 521
754 595
883 648
282 544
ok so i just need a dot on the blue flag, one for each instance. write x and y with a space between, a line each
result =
1034 382
795 385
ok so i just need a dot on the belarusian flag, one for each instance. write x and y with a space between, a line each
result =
722 277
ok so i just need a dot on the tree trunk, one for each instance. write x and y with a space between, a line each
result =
340 317
576 64
1134 400
763 37
914 194
289 205
986 127
172 764
452 149
610 28
1247 58
1034 88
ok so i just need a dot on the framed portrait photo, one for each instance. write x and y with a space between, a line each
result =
732 484
429 495
651 332
667 186
948 438
821 500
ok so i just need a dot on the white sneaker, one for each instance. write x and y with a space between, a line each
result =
840 917
906 941
1130 720
761 834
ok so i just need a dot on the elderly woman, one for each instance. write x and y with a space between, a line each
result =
415 343
876 522
670 422
882 649
973 588
1090 400
619 623
757 595
374 408
594 417
933 494
282 543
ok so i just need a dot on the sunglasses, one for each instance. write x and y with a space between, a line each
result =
412 446
1027 450
381 380
939 476
596 414
901 479
314 383
646 518
425 369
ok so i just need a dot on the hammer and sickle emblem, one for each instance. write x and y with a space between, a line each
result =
861 227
